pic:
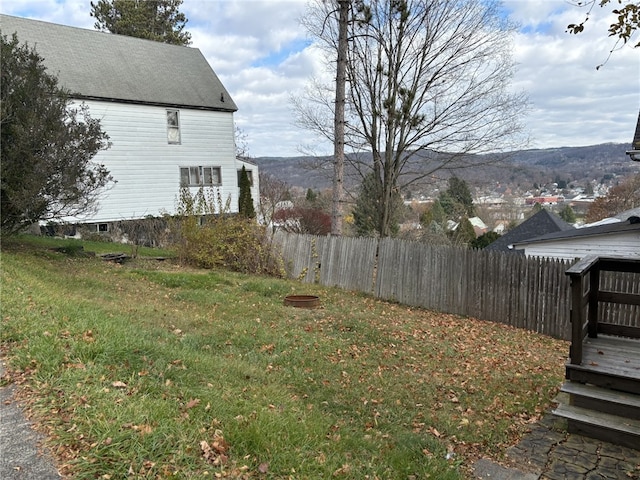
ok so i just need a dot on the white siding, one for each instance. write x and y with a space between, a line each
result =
147 168
625 244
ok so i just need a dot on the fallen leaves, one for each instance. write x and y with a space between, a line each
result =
142 429
216 452
430 377
88 336
269 348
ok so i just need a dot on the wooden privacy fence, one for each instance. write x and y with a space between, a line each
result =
529 293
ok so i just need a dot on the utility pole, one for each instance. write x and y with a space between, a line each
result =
338 141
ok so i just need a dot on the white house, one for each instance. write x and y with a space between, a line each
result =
168 116
620 239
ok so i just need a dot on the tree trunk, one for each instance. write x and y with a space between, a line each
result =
338 141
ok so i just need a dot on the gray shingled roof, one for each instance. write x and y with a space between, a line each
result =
543 222
99 65
631 225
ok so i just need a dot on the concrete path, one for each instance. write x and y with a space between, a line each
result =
20 455
548 452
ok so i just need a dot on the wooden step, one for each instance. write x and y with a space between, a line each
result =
603 377
623 404
603 426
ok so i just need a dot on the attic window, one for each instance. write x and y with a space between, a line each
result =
173 126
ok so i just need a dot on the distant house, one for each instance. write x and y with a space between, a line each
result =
543 222
479 227
168 116
620 239
544 200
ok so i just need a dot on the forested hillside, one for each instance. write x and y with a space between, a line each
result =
518 170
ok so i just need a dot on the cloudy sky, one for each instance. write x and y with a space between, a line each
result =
260 52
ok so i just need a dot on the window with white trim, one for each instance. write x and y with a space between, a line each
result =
200 176
173 126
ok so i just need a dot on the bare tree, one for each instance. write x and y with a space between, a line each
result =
242 143
344 6
623 196
272 192
428 88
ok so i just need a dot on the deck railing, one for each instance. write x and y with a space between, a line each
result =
589 295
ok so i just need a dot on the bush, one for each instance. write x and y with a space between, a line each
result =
312 221
208 236
147 232
484 240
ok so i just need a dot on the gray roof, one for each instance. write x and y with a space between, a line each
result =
539 224
634 212
98 65
630 225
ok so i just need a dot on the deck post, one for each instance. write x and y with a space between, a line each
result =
594 288
577 319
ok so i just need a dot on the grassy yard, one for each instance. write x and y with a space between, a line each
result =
152 370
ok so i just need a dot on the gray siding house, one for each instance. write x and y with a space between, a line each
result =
168 116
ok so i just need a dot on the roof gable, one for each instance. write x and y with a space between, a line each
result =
99 65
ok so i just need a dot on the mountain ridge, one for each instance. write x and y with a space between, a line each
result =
522 169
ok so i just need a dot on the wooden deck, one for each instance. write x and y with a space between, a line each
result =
611 356
603 371
609 362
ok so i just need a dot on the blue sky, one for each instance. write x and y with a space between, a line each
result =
260 52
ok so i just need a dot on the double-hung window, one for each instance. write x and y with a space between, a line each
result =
200 176
173 126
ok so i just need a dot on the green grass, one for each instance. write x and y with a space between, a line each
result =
151 370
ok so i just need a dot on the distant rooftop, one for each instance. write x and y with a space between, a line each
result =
543 222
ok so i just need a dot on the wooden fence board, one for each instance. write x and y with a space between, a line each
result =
522 292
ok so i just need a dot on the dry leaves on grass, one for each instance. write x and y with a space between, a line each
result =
215 452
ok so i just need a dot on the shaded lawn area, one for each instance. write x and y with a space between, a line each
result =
152 370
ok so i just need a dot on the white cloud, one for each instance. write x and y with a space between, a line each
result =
259 51
573 103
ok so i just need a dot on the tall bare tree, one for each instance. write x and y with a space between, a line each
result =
273 191
344 7
427 87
